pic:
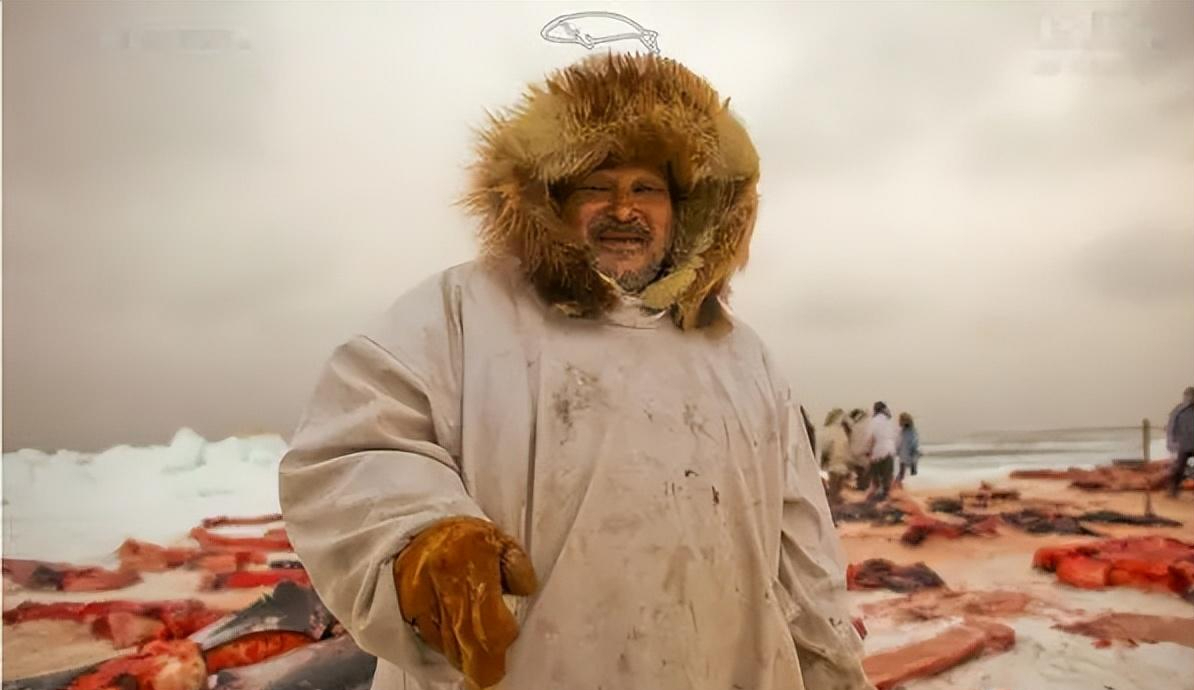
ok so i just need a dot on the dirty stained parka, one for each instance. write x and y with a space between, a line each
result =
661 481
649 456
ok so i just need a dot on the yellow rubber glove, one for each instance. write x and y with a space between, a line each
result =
450 581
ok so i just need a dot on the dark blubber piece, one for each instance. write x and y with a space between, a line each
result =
878 573
1115 517
946 505
49 681
1036 522
289 608
864 511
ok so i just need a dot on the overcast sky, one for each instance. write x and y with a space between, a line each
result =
959 215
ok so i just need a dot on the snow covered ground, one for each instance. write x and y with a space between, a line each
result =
991 456
78 507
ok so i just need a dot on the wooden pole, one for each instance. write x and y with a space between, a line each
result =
1145 440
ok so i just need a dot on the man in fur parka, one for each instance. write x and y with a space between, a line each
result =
567 465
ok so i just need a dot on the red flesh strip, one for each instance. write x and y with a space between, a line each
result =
254 648
245 579
146 557
932 656
274 540
65 577
110 619
1153 475
920 527
228 561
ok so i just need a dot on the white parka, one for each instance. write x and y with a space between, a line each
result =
661 481
885 437
861 439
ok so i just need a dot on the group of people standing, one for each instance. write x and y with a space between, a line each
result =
867 446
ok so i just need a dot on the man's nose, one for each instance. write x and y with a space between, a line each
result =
623 207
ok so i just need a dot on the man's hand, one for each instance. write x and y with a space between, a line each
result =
450 581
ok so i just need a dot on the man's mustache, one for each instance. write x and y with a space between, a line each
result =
611 226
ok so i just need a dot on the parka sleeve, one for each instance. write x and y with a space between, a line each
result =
366 471
812 569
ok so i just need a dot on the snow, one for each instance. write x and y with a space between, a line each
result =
78 507
967 463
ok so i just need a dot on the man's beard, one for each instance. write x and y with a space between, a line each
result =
635 281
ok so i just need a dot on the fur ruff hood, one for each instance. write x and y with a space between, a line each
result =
620 108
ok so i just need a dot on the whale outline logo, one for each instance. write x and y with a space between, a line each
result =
646 36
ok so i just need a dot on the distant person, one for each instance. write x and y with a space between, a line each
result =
860 445
884 439
909 448
835 453
1179 438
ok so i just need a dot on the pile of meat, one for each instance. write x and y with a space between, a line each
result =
1153 563
981 631
1147 563
125 623
283 641
920 526
1034 516
974 514
228 561
1117 477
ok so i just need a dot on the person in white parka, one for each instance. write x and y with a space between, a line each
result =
568 464
835 453
884 442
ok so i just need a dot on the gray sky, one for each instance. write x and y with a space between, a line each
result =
956 217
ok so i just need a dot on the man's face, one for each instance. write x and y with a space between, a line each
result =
625 214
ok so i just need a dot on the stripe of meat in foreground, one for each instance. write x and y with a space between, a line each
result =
335 664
